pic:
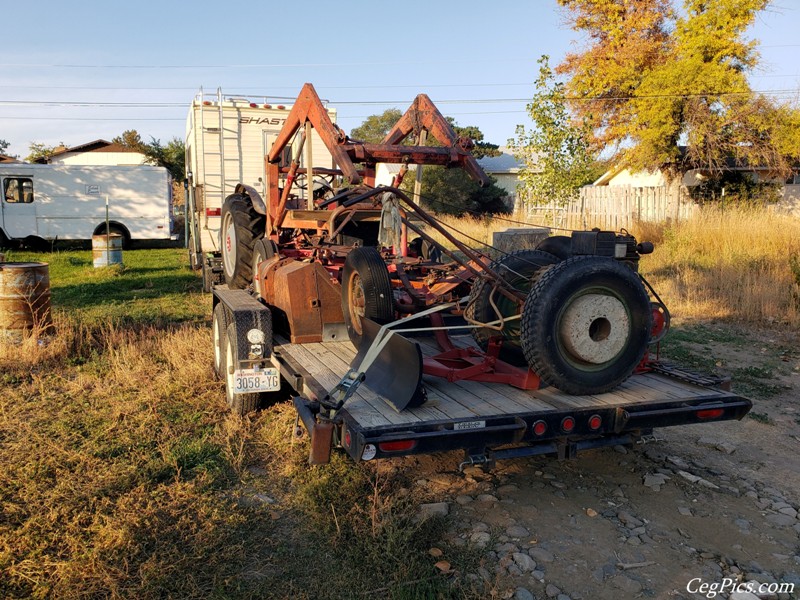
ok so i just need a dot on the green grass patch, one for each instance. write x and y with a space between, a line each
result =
151 287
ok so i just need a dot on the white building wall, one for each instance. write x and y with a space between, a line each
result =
99 158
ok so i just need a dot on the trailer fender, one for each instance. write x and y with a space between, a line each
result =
255 198
246 314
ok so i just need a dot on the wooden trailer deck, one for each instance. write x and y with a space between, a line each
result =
322 366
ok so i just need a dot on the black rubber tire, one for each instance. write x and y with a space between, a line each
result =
365 277
240 227
219 332
240 404
520 269
264 249
556 300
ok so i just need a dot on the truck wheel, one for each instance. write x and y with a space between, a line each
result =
366 291
240 404
241 227
520 270
264 249
586 324
219 330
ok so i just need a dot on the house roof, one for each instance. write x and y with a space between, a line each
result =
7 159
95 146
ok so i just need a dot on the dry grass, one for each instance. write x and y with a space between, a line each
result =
741 265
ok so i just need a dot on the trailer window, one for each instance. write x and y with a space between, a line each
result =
18 190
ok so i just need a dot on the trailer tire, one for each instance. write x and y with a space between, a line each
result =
264 249
586 324
366 291
219 331
240 404
519 269
240 227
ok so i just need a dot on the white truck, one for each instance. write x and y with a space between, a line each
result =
227 138
68 202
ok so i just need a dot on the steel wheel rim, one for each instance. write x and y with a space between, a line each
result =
229 244
217 344
356 302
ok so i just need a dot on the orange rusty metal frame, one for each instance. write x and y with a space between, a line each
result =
422 114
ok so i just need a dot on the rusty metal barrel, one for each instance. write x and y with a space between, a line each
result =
24 299
107 250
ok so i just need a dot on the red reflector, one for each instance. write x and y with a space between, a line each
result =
268 106
398 446
253 105
347 438
567 424
539 428
213 212
281 107
711 413
207 103
595 421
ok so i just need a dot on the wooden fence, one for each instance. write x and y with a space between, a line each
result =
617 207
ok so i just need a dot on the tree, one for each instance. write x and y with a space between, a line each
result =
172 156
37 151
375 127
654 77
4 146
130 138
555 151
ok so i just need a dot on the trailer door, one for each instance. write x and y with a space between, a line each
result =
19 207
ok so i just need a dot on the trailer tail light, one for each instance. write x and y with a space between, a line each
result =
710 413
398 446
253 105
206 102
268 106
348 439
281 107
567 424
595 422
539 428
213 212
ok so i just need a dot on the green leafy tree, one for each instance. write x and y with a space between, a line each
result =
37 151
653 77
4 146
375 127
172 156
130 138
555 151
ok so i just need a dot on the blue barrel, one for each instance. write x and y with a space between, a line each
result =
107 250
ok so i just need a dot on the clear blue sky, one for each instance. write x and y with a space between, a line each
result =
476 60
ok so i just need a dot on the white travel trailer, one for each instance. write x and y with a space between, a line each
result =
227 138
68 202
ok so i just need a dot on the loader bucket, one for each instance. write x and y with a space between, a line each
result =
396 372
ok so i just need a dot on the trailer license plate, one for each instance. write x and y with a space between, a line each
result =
249 381
469 425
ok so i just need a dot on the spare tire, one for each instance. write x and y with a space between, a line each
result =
519 269
586 324
366 291
240 227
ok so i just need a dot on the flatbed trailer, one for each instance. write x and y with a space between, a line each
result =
496 421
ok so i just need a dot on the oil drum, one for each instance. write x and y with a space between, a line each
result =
24 299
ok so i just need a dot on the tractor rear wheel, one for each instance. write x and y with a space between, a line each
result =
586 324
366 291
519 269
264 249
240 227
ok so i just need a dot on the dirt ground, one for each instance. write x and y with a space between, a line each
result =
712 504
